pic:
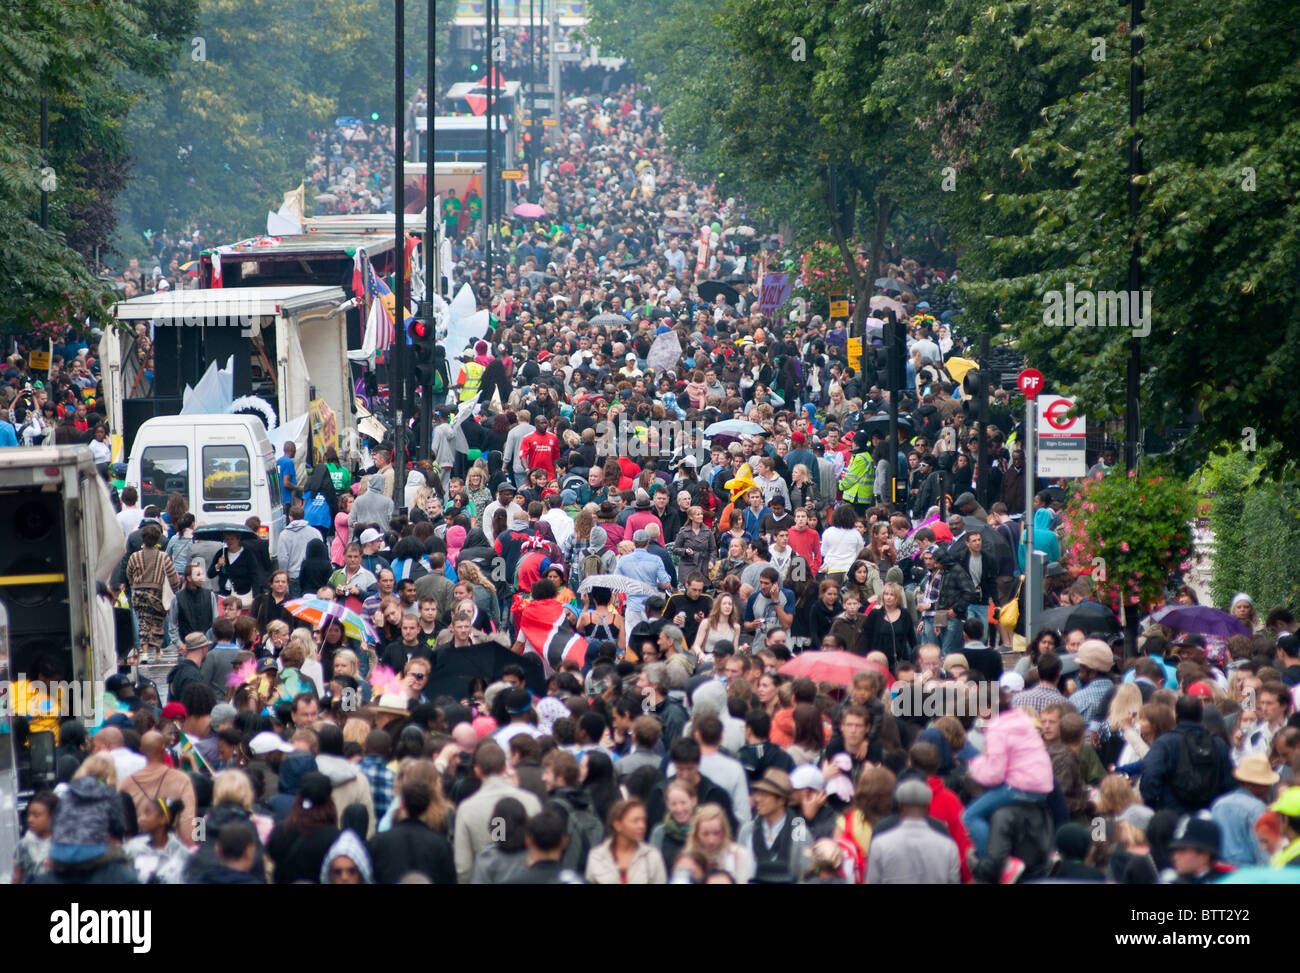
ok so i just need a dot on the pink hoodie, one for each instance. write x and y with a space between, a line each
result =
340 538
1014 754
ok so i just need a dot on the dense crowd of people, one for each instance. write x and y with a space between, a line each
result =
597 638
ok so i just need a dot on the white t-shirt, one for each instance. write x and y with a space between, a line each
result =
129 518
840 546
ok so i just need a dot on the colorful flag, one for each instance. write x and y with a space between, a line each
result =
544 627
358 274
376 290
187 746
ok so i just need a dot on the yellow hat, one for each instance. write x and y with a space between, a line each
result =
742 484
1288 803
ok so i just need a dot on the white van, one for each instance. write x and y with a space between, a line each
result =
224 465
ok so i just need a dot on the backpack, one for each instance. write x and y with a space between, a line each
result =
585 833
592 564
1196 777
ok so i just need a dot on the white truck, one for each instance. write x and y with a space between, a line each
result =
289 344
59 538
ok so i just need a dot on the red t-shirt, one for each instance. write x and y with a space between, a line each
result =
539 450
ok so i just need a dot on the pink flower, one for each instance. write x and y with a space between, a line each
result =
1123 546
1132 599
1184 565
1131 473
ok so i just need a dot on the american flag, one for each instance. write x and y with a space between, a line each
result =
376 290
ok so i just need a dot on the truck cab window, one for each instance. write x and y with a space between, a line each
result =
163 470
226 473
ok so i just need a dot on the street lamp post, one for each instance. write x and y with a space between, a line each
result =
397 360
1132 418
430 234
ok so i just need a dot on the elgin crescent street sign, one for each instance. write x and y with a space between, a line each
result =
1062 440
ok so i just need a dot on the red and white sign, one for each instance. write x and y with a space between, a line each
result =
1054 419
1030 382
1062 440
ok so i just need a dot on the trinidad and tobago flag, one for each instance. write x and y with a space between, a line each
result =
544 627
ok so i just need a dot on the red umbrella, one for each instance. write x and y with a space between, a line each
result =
836 667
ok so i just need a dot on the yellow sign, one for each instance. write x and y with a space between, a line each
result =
512 173
550 122
324 429
39 360
525 121
855 354
839 308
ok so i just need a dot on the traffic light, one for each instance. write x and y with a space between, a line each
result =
973 386
374 116
474 67
430 361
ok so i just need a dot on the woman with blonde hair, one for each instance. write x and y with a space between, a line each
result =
355 730
1115 794
588 538
476 488
1122 725
723 623
710 835
694 544
889 628
482 589
100 766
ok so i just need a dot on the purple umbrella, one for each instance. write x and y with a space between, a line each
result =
1199 618
529 211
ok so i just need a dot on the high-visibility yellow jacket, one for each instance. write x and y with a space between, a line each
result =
858 483
470 379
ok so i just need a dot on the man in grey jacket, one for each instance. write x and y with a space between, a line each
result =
295 537
510 454
372 507
913 852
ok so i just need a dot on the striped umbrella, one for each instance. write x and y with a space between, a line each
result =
317 612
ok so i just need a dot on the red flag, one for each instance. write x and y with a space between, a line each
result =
359 273
544 627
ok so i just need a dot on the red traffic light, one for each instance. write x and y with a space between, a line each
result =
418 330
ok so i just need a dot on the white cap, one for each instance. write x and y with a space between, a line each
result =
370 535
267 742
1012 682
806 775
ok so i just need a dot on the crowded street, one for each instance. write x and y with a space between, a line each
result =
622 555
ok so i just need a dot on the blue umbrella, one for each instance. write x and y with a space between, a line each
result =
1201 619
735 427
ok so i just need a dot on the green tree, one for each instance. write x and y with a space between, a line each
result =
221 140
1217 228
1256 523
74 55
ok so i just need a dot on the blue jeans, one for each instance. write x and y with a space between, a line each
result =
952 639
981 614
981 810
927 631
